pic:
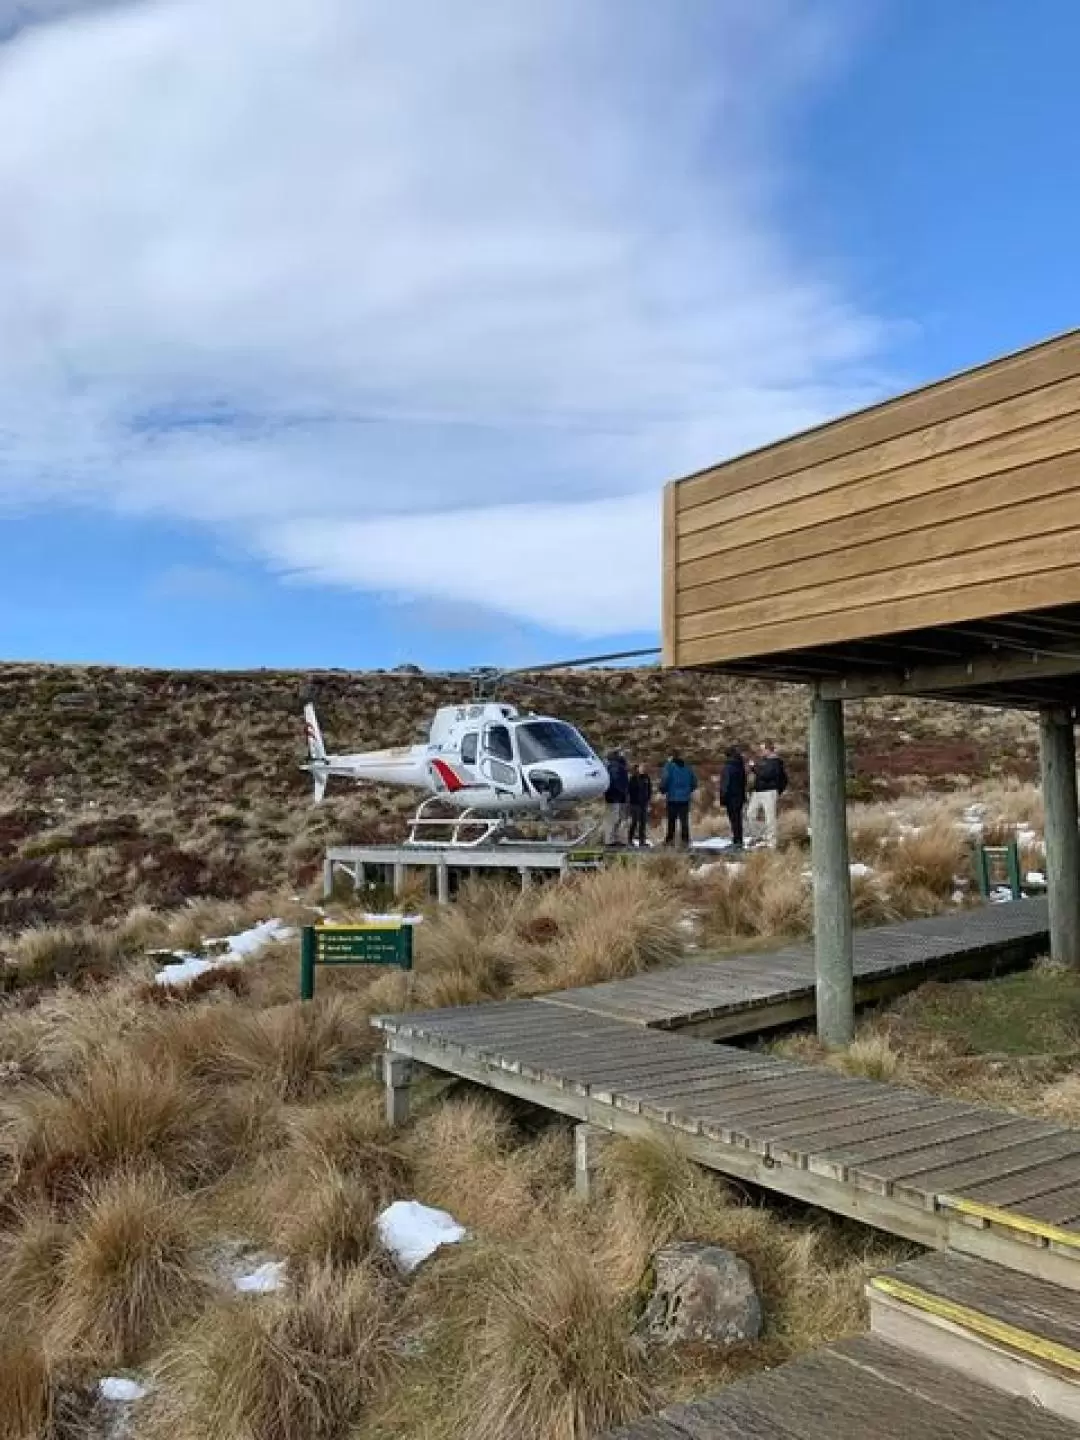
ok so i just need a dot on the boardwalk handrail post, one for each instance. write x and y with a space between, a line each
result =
833 948
1058 755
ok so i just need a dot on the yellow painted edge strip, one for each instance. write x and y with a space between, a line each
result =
1011 1220
980 1324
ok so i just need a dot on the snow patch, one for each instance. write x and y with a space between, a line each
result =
263 1280
412 1231
392 918
1036 879
230 950
712 842
709 868
121 1390
859 871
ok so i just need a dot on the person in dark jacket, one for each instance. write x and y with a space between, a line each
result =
616 798
640 793
733 793
770 782
677 785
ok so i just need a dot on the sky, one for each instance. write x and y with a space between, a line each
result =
361 332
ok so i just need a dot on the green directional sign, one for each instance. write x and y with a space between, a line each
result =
378 942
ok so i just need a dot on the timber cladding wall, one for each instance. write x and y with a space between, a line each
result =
957 502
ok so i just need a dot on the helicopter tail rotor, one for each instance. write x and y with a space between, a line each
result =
317 765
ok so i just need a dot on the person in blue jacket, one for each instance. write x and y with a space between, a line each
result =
677 785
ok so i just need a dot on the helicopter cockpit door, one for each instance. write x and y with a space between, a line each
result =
497 764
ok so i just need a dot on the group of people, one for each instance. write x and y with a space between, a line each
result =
748 790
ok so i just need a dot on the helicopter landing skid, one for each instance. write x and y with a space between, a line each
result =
472 830
481 828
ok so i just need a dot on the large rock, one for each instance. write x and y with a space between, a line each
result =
703 1295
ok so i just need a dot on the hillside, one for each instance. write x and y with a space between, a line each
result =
176 784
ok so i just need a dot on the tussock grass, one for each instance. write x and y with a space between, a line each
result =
294 1051
768 896
350 1134
612 924
36 1403
468 1159
930 861
323 1218
307 1364
32 1250
120 1111
129 1274
75 953
554 1356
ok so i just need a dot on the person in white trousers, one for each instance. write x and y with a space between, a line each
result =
770 782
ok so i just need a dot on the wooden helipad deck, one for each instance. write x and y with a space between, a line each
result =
744 994
934 1170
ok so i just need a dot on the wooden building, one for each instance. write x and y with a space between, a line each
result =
929 545
938 527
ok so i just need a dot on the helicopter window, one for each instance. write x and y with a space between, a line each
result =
503 774
550 740
497 742
468 747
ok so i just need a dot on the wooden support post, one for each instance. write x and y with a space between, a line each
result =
442 882
1058 751
397 1077
399 880
833 951
589 1140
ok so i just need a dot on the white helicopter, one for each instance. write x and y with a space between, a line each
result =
486 761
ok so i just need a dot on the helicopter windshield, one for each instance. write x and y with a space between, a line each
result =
541 740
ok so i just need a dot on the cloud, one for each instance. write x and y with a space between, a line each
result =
589 568
424 297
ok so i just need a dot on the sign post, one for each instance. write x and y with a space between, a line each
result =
378 942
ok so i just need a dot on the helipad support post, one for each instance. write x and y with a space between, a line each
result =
399 879
442 883
1058 753
833 951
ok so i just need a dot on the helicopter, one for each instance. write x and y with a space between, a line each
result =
486 761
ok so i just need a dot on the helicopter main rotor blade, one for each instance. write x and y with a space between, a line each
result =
578 661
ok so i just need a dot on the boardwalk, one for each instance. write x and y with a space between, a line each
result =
933 1170
740 994
958 1353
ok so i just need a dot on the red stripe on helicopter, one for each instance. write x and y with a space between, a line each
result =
450 779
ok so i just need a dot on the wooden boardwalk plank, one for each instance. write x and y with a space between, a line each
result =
707 990
956 1178
931 1158
838 1154
1056 1207
1026 1302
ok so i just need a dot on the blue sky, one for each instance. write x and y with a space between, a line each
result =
342 332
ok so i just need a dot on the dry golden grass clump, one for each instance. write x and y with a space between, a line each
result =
768 895
494 941
117 1112
931 861
130 1271
554 1354
307 1363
